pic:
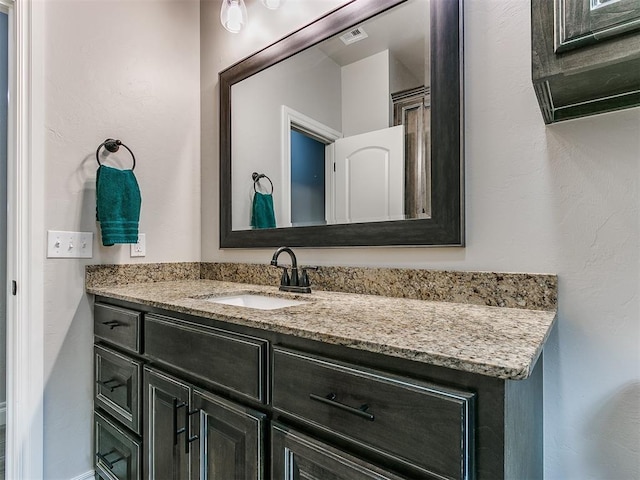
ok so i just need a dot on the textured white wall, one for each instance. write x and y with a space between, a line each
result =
560 199
128 70
219 50
257 123
365 95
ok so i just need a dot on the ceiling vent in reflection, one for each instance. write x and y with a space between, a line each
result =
354 36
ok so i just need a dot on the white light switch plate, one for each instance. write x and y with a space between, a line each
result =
69 244
139 249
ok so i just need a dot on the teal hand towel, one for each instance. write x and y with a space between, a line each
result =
262 214
118 203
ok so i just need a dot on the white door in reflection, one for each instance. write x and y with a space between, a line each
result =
368 178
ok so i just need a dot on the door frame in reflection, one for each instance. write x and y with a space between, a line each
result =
293 120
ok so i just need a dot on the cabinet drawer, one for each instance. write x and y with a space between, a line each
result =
117 453
118 326
298 456
117 387
408 421
232 361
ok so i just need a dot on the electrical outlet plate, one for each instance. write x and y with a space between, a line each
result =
69 244
139 249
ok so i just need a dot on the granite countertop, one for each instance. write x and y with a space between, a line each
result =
495 341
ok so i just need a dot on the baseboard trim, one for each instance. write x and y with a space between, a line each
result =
85 476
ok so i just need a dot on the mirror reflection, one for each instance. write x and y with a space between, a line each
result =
338 133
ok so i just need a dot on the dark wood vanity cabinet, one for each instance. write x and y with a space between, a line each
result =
230 439
193 434
118 453
231 361
297 456
166 434
154 425
189 432
423 426
192 398
585 56
117 387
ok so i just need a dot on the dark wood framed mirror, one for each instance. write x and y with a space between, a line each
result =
439 223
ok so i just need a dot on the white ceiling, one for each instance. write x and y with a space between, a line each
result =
403 30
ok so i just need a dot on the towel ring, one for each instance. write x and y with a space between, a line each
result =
256 179
112 146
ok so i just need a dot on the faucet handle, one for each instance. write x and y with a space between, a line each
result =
284 279
304 277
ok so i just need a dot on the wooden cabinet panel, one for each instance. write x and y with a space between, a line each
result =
234 362
165 399
582 22
419 424
574 72
117 386
118 326
412 109
297 457
230 443
117 453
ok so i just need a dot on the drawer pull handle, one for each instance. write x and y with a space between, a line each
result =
112 324
110 463
177 431
187 438
106 384
331 400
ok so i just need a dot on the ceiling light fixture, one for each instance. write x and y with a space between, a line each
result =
272 4
233 15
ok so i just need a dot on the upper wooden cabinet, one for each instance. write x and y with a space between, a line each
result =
585 56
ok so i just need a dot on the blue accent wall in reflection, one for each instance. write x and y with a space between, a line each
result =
307 180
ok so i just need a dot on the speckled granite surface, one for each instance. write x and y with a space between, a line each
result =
513 290
499 342
140 273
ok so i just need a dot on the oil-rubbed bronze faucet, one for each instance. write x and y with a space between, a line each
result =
298 283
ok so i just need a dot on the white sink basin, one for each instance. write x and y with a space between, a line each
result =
260 302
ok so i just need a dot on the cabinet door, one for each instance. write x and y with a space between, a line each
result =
581 22
230 443
412 108
298 457
599 76
166 400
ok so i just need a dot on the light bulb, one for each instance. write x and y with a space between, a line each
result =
272 4
233 15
